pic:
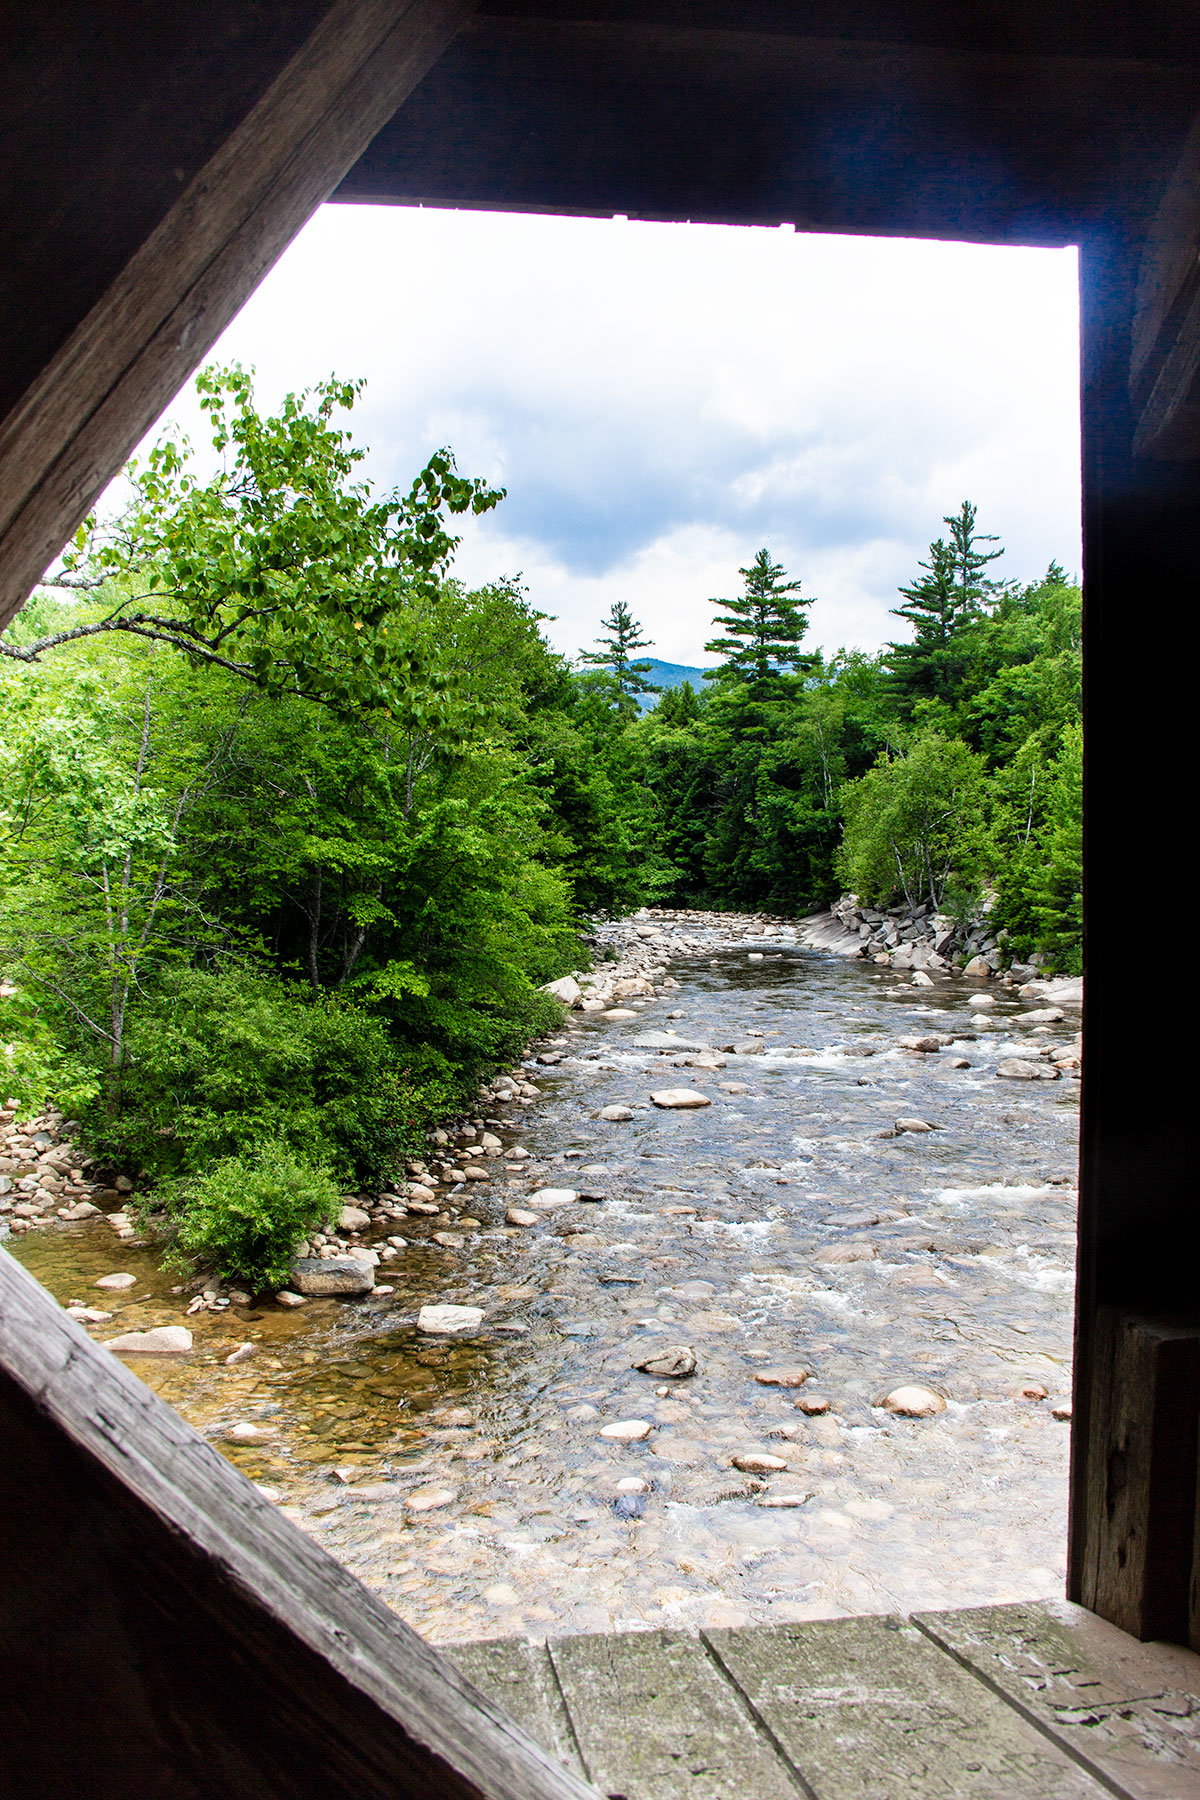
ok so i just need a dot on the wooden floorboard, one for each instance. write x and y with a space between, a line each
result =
1032 1702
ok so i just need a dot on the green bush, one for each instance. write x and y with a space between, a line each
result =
245 1216
222 1062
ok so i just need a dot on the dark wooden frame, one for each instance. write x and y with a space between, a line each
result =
1038 121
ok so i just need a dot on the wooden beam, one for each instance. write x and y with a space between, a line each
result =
1141 1474
1164 365
198 1641
82 415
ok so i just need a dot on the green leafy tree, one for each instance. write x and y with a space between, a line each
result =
763 628
618 653
914 825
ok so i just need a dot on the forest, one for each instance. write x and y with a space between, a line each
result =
296 827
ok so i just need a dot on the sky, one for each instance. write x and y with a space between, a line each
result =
662 400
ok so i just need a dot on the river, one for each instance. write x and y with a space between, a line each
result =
467 1482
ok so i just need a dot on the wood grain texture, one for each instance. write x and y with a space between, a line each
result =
1129 1712
200 1642
1165 351
520 1677
81 417
656 1720
873 1707
1141 1474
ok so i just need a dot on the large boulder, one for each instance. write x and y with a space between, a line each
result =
566 989
324 1275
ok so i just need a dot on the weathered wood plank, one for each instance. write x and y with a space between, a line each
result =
873 1707
1130 1712
519 1676
78 421
200 1642
1165 351
1141 1474
656 1720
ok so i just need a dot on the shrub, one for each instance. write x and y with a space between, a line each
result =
245 1216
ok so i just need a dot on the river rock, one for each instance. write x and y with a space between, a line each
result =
476 1172
117 1282
242 1354
1025 1069
83 1209
1042 1015
449 1321
323 1275
88 1315
750 1047
619 1012
163 1340
921 979
791 1377
429 1499
846 1253
286 1298
813 1405
627 1431
734 1087
566 989
516 1215
978 969
673 1363
758 1462
547 1198
679 1099
616 1115
353 1218
983 1001
913 1403
913 1125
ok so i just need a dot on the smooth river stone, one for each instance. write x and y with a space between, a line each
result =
784 1378
546 1199
627 1431
679 1099
116 1281
619 1012
163 1340
616 1115
671 1363
913 1402
325 1275
447 1321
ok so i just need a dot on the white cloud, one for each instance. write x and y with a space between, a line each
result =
662 399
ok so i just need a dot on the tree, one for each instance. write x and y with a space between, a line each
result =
620 646
280 570
944 603
763 629
913 825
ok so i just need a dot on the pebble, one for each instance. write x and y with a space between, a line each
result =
449 1321
429 1499
676 1361
758 1462
679 1099
846 1253
162 1340
913 1403
285 1297
627 1431
784 1378
116 1281
516 1215
813 1405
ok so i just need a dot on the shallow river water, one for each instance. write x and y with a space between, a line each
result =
708 1234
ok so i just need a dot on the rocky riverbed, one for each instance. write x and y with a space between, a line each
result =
703 1240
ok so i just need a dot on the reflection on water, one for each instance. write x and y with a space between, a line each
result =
467 1481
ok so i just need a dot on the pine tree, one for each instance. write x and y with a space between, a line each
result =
944 602
624 639
763 628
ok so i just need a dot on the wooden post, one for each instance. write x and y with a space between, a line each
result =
1136 1392
167 1634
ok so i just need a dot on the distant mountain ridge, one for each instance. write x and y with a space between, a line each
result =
668 675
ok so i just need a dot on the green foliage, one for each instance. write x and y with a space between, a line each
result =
244 1216
913 828
763 628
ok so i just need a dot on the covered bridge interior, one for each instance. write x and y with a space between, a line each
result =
155 161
